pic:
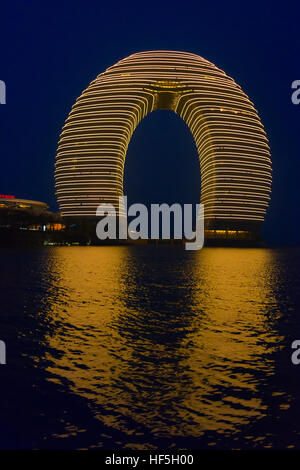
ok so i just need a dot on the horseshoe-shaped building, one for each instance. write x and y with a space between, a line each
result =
231 141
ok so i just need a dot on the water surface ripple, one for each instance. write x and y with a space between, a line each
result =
149 348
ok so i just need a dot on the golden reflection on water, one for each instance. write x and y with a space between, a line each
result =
234 338
166 342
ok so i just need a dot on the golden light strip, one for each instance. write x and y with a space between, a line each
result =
231 141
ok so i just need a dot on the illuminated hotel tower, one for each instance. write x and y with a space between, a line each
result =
231 141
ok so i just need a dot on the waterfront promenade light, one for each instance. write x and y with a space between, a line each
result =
230 138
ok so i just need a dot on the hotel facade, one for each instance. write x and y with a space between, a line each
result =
232 145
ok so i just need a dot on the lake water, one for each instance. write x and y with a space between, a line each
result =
149 347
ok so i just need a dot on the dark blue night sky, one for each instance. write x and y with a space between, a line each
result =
50 51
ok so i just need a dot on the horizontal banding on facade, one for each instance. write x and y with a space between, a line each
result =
231 141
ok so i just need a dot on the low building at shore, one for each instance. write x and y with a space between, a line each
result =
18 213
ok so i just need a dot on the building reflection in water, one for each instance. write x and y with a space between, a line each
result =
161 341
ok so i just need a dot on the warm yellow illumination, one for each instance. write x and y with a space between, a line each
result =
231 141
223 336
